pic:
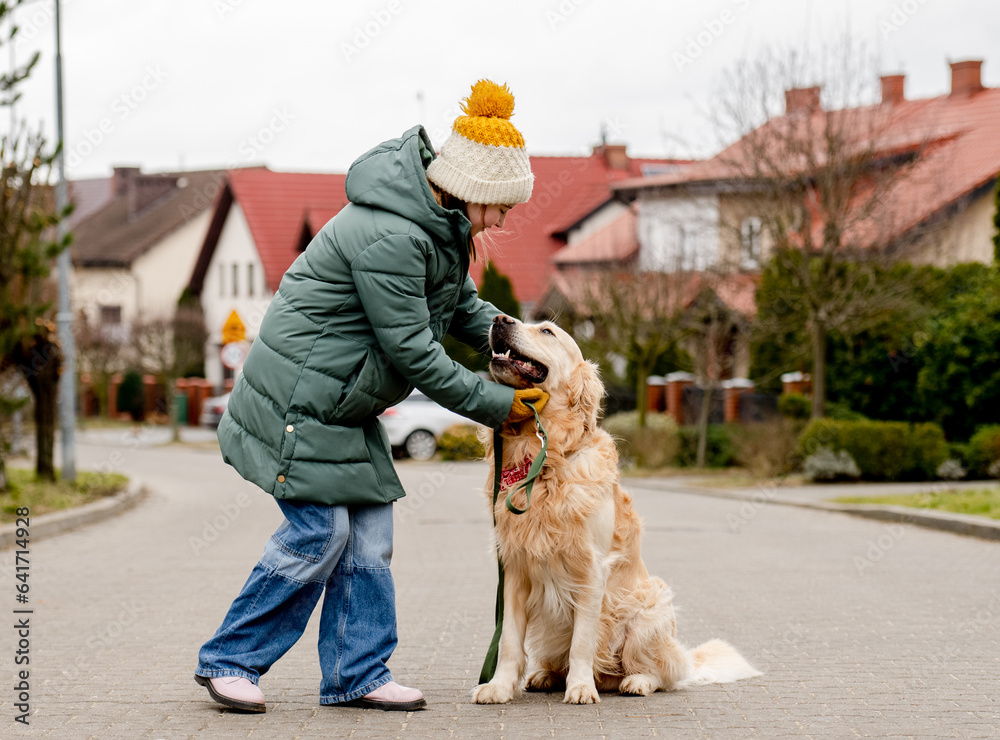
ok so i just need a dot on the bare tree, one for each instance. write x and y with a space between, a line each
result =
635 315
100 354
167 348
820 168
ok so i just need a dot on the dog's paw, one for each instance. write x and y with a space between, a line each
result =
543 680
491 693
638 684
581 693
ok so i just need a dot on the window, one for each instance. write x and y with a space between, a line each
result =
222 281
250 279
111 315
236 280
750 242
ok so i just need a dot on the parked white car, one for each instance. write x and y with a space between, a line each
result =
212 410
415 424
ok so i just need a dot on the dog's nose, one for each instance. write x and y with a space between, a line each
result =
503 319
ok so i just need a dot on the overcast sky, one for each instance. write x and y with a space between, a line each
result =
311 84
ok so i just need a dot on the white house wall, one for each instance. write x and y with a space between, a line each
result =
678 232
218 299
162 273
93 287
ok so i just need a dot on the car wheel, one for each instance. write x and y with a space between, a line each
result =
421 445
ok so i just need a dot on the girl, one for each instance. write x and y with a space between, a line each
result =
356 324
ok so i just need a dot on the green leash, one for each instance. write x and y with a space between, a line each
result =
492 655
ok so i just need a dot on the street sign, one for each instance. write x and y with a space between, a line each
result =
233 330
234 354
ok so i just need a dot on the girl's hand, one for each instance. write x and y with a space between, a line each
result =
520 411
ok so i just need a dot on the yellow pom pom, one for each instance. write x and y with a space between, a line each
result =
490 100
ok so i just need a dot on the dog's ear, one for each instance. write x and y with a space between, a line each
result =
585 392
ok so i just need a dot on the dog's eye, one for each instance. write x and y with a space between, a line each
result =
549 332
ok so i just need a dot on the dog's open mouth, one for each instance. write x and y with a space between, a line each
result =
507 360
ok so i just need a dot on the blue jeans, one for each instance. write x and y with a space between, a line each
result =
346 551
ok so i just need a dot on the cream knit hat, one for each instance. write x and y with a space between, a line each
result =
484 161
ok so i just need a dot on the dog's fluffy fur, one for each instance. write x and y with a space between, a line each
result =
580 609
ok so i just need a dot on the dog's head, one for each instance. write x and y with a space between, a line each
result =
544 356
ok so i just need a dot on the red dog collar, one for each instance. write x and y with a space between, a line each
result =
510 476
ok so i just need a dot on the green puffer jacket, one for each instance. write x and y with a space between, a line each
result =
355 324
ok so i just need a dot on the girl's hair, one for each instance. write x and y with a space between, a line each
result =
453 203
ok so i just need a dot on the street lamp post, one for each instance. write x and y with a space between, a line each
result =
64 318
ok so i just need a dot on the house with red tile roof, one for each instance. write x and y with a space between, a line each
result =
135 236
259 224
938 210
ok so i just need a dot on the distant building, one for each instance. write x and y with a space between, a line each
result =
135 237
258 224
940 210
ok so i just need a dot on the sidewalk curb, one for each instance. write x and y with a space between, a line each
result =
58 522
946 521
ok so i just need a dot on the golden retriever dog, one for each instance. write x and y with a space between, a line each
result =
580 609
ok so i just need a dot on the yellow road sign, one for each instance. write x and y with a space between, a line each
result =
233 330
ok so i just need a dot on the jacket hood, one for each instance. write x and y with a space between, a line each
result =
392 177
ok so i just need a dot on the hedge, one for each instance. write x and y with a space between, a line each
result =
883 450
652 446
461 442
984 450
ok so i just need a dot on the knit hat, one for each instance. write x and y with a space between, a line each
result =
483 161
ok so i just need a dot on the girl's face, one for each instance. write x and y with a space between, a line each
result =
486 217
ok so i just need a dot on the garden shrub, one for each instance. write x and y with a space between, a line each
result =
794 406
883 450
951 469
719 449
461 442
984 450
131 396
652 446
826 465
768 449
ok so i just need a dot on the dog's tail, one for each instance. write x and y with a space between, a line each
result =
716 661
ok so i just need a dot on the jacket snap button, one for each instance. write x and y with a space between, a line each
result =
289 428
281 479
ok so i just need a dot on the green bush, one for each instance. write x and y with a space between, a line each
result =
769 448
652 446
461 442
794 406
883 450
719 449
131 396
842 412
984 450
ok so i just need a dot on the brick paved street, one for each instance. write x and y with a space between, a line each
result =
863 629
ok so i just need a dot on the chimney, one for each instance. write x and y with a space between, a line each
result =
966 78
892 89
802 100
614 155
121 178
143 190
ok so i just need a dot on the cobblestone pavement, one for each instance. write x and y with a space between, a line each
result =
862 629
